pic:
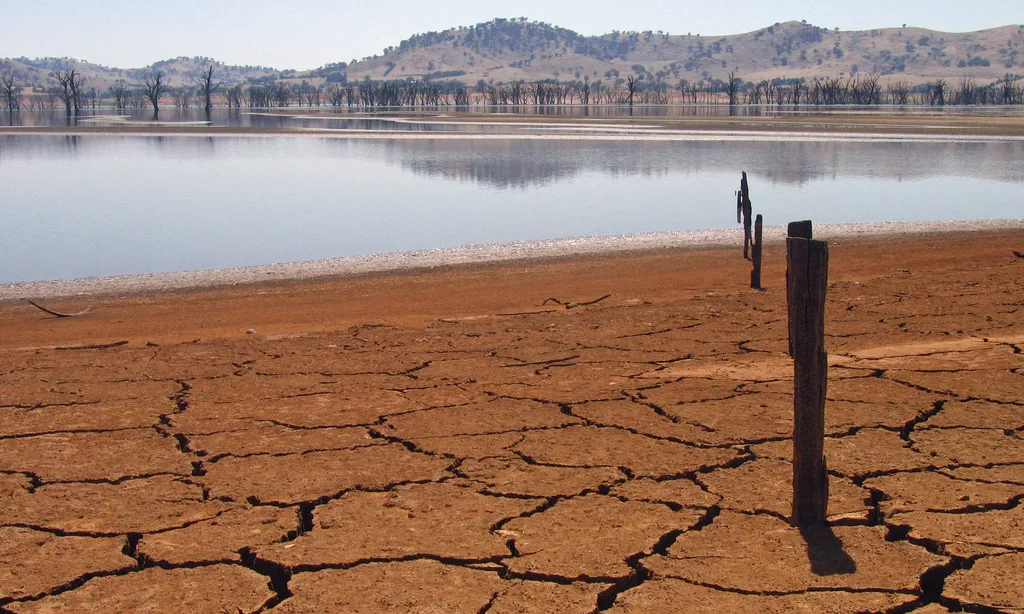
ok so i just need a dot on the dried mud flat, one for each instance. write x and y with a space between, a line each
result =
450 441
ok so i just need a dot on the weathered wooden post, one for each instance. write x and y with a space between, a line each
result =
745 209
806 284
755 275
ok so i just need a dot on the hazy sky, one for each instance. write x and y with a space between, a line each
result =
310 33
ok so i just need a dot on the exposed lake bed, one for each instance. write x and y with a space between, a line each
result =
302 441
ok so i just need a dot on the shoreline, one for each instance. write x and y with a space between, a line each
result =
881 124
475 254
811 134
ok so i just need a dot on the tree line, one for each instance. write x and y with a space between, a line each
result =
72 92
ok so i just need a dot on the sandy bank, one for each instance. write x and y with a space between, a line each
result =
469 254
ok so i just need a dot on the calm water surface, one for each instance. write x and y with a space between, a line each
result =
105 205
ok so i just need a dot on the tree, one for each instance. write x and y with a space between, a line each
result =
966 90
11 93
938 92
206 87
631 85
732 86
70 91
183 98
234 96
120 94
153 87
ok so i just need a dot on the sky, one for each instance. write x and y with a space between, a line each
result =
311 33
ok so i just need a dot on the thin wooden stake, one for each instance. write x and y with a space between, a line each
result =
755 275
806 284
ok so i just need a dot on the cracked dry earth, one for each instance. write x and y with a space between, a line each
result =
445 442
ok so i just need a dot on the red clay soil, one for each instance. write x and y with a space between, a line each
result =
450 441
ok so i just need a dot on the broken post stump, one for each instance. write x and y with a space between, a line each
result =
755 275
801 229
744 210
806 284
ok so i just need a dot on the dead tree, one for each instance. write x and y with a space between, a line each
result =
631 86
732 87
693 90
938 92
70 90
966 90
71 83
11 93
206 87
796 92
120 94
899 93
153 87
781 94
183 98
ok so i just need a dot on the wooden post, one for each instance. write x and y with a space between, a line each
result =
755 275
800 229
806 283
746 208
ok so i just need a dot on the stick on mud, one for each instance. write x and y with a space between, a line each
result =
58 314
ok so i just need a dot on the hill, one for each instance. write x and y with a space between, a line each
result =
36 73
505 50
511 50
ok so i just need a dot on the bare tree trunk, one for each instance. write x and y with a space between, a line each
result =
153 87
12 94
207 87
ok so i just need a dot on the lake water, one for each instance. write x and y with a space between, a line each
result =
97 205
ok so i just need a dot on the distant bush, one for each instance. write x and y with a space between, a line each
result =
443 74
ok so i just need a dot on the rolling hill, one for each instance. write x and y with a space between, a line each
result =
509 50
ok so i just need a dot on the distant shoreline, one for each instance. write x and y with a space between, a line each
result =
687 135
494 253
997 124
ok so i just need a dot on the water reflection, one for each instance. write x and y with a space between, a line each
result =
356 117
107 205
522 164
